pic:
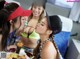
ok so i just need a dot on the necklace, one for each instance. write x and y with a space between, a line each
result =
42 44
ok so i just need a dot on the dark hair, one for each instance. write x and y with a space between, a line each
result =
2 4
8 9
53 22
2 17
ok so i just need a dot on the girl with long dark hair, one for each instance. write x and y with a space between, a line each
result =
47 28
11 24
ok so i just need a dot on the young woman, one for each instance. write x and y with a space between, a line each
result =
37 13
47 28
11 24
31 37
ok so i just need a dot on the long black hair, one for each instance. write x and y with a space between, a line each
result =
2 17
2 4
7 10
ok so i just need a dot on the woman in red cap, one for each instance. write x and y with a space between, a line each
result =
11 24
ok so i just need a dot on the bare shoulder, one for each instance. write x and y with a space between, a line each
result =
48 43
49 46
49 50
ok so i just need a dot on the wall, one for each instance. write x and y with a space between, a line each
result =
50 8
54 9
75 12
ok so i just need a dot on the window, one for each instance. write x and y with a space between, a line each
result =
62 3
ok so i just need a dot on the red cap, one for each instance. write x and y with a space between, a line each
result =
19 12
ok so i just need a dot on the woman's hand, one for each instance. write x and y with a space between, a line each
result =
28 29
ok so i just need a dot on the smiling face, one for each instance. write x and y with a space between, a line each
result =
37 10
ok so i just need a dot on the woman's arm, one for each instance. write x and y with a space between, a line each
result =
48 51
